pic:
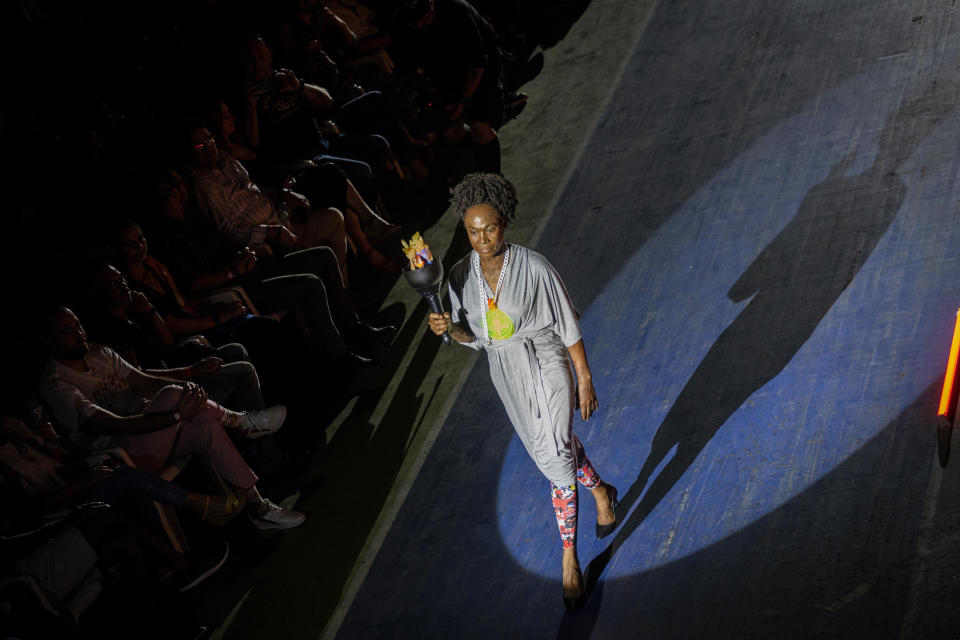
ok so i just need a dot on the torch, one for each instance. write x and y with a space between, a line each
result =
424 274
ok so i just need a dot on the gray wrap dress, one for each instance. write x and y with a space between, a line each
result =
531 369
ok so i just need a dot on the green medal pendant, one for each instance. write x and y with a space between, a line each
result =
496 324
499 324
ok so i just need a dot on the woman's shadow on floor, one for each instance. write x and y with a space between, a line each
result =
794 283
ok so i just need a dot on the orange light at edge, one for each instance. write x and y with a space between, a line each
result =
946 398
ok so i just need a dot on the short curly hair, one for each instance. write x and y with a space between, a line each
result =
485 188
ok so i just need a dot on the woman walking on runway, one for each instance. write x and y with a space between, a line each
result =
510 302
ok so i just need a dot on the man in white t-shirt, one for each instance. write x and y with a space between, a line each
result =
103 401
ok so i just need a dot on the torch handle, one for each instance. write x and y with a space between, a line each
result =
436 305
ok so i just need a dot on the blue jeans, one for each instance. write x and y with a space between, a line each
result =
134 489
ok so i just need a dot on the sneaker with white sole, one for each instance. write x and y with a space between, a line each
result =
256 424
276 517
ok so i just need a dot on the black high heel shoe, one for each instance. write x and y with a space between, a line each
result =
603 530
573 601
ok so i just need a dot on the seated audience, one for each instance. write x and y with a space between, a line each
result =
314 39
220 322
56 477
282 123
321 183
101 401
128 323
307 280
242 213
98 553
458 50
325 131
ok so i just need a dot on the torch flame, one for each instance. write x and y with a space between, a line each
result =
417 251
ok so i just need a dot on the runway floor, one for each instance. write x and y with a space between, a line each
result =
753 205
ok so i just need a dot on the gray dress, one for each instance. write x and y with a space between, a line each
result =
531 369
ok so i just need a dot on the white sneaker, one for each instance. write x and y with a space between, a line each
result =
276 517
256 424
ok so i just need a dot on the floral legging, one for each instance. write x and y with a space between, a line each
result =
565 496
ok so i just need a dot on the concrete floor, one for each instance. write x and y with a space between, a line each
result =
752 204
